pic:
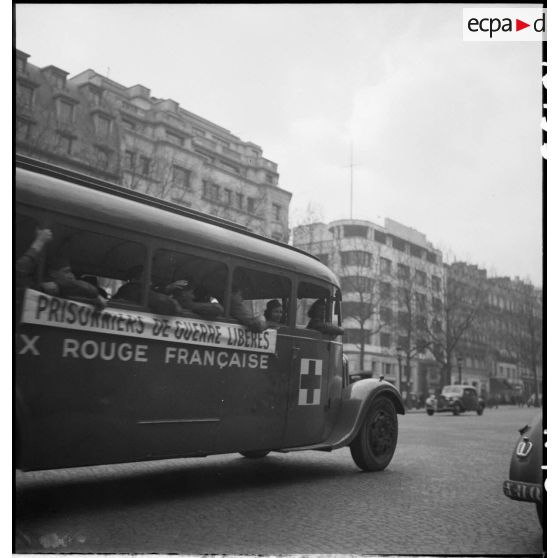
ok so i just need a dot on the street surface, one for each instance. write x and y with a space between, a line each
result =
442 494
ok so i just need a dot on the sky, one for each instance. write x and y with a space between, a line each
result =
445 134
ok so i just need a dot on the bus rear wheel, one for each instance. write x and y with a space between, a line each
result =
375 443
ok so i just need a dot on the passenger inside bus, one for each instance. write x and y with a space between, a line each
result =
132 290
273 314
92 280
27 263
317 315
240 312
187 295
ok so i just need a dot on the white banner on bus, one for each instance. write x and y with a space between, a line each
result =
42 309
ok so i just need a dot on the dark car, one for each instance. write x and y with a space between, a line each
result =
456 399
525 482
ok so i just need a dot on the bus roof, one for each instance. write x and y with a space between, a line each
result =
45 186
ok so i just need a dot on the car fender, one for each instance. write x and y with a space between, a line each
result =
528 468
356 400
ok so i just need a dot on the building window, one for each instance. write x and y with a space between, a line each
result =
385 266
403 271
436 304
269 178
59 81
398 243
436 283
360 310
420 277
228 196
65 111
386 315
102 157
251 205
240 201
350 231
174 138
356 283
403 320
24 129
128 124
356 336
380 237
404 296
431 257
102 125
181 177
385 340
145 165
65 143
25 95
129 160
385 290
356 257
276 212
211 191
416 251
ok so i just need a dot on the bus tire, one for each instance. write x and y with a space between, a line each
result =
256 454
375 443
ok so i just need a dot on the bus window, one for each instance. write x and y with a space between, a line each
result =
260 287
208 276
307 294
98 258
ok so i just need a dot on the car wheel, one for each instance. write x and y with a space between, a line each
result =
375 443
430 412
480 410
257 454
456 408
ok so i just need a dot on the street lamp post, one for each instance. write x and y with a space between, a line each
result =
399 359
459 362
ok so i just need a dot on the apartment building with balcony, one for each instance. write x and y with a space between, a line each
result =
393 281
95 125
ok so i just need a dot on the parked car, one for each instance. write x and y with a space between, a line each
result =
525 482
456 399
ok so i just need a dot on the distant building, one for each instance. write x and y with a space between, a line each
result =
92 124
393 281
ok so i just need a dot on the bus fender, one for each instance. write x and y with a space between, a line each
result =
356 400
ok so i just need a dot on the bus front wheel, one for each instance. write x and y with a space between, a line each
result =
375 443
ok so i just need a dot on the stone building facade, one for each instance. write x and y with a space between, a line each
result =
94 125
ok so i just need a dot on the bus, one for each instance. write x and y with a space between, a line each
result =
122 383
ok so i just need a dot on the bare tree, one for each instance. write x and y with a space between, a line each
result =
363 296
457 317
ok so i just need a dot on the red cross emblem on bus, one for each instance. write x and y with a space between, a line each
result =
310 381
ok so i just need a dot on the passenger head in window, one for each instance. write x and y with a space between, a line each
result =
27 263
62 282
132 289
184 292
273 313
317 315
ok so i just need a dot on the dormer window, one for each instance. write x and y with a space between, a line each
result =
65 111
102 125
25 95
21 65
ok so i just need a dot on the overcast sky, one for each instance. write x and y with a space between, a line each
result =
446 134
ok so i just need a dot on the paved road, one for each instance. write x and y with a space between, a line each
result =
441 495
